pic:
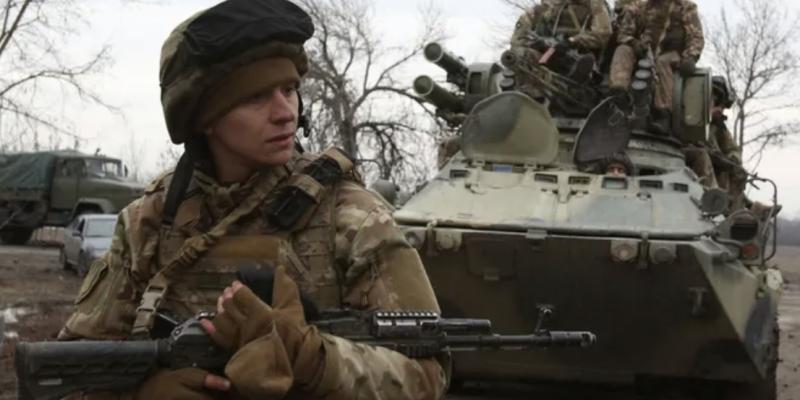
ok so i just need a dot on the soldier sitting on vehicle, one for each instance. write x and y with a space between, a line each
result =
726 154
672 30
620 9
565 35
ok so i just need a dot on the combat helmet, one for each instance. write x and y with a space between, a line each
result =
211 44
722 91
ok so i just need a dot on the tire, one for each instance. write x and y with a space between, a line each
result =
765 389
83 265
62 258
16 236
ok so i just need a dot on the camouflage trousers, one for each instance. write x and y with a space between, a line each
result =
527 59
622 69
698 159
735 183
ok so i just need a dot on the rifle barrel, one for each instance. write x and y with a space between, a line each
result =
519 342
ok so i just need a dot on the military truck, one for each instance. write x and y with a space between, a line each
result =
517 225
51 188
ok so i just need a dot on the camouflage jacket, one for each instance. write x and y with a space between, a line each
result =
664 25
586 22
349 253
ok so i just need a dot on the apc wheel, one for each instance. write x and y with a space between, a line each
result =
16 236
765 389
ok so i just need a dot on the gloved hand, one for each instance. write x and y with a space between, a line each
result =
181 384
275 348
303 342
688 66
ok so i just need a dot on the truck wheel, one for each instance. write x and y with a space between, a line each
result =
16 236
83 265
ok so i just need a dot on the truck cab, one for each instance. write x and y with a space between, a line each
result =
52 188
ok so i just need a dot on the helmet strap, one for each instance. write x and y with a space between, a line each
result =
181 178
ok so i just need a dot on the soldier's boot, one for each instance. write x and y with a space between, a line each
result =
661 122
582 69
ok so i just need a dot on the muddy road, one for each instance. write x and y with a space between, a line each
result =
36 297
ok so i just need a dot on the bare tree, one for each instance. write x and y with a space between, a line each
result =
756 53
519 5
357 97
36 65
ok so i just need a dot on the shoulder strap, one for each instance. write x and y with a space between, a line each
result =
294 204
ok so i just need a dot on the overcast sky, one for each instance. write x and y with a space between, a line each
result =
136 32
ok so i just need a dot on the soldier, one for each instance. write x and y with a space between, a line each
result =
618 165
583 25
729 171
673 31
242 195
620 7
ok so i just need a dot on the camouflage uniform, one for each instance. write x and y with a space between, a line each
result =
732 180
337 240
585 23
348 254
698 159
671 29
620 9
720 142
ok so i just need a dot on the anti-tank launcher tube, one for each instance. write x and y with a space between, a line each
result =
440 97
455 66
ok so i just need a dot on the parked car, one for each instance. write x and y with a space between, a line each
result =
86 239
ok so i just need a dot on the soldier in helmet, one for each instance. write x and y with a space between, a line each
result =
672 30
582 25
242 195
731 175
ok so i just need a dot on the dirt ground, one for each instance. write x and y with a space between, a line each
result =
36 297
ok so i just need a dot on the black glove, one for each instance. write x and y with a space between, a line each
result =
688 66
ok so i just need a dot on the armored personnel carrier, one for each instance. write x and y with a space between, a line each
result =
516 225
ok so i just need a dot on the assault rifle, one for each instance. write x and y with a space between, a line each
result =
51 370
555 49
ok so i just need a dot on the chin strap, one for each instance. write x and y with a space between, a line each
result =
304 120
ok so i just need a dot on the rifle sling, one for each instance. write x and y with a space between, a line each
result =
291 210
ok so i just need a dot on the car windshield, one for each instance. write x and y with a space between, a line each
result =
104 168
100 227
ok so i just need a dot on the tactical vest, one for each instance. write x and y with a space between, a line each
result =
291 225
567 19
675 38
664 28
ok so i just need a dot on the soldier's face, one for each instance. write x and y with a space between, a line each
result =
616 169
260 131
